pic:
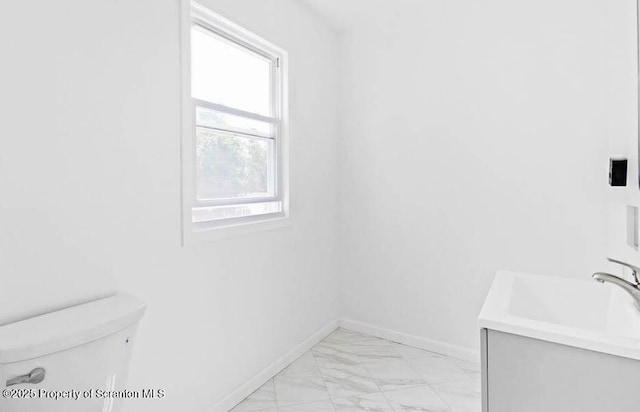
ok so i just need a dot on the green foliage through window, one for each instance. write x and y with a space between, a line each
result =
231 166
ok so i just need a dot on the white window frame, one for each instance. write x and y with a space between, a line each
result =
195 13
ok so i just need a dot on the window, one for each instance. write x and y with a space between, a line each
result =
234 160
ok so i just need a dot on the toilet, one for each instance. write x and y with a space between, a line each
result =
71 360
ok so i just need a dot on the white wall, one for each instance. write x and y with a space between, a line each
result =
90 188
476 139
623 117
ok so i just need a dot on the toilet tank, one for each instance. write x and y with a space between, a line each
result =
71 360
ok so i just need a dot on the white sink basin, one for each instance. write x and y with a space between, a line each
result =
578 313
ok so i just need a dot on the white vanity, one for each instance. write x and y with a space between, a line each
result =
552 344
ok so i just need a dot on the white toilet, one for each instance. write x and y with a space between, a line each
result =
84 348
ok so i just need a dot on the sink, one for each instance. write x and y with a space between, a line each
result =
573 312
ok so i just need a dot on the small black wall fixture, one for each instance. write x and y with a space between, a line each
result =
617 172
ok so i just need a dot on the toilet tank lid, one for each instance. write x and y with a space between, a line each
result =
67 328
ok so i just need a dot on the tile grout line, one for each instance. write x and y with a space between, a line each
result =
278 406
409 363
432 389
429 386
441 398
378 386
315 362
376 383
363 365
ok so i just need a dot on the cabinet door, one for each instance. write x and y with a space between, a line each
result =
530 375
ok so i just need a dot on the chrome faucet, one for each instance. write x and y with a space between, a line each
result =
632 288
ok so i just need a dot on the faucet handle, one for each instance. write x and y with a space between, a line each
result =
634 269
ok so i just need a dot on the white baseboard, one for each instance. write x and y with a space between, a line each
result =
272 370
443 348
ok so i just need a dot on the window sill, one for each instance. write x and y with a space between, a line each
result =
197 234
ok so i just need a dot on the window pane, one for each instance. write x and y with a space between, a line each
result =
233 166
229 74
207 214
212 118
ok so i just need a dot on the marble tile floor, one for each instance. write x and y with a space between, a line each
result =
352 372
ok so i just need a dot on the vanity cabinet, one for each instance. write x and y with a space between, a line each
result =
523 374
